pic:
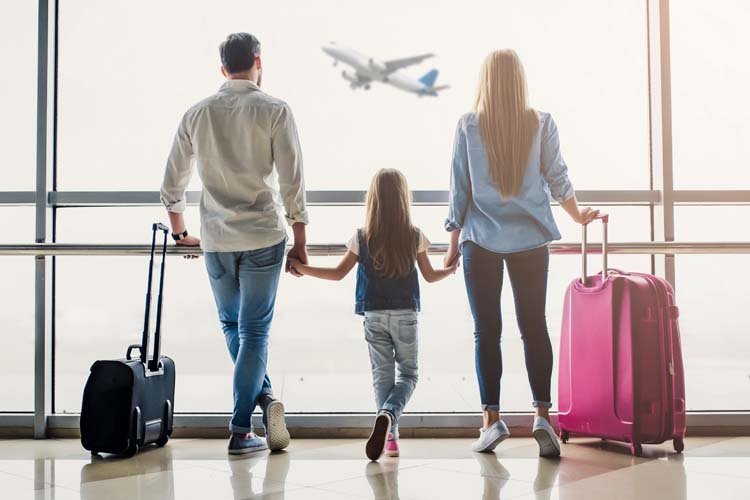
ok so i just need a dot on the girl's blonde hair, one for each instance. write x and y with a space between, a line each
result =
506 121
390 237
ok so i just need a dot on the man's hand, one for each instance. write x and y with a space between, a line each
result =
299 253
190 241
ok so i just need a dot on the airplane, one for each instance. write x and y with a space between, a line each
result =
367 70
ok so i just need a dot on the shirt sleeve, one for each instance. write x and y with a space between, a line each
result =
353 244
460 191
287 156
554 169
424 243
179 170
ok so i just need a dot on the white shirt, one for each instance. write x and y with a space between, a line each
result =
423 246
236 136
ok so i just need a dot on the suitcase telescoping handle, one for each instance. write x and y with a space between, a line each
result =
153 364
585 246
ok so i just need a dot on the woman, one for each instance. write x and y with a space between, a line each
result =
506 165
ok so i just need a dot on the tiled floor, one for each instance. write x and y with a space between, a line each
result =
314 469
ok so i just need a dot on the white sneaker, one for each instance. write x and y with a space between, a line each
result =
546 437
490 438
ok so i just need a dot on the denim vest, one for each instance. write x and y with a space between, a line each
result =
376 293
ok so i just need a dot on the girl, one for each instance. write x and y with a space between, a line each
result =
506 164
387 294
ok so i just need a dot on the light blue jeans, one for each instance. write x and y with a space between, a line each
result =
392 341
244 286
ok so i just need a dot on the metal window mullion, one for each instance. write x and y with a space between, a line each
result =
660 115
41 389
53 270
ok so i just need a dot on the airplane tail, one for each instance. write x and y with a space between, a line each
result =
429 78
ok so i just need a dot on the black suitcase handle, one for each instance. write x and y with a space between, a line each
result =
153 364
128 355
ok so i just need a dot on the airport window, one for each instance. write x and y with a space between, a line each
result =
714 338
709 94
18 95
16 312
318 358
117 115
16 333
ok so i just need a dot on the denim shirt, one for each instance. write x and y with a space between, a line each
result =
506 225
376 293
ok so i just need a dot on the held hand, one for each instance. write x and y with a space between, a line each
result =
451 257
299 253
295 265
190 241
587 215
455 266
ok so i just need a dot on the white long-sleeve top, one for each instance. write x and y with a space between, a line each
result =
247 153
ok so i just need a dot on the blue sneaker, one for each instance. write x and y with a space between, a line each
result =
274 422
238 445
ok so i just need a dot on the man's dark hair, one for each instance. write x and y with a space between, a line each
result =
238 52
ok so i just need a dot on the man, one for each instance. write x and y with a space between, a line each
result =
236 136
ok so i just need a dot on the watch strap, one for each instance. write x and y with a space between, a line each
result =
180 236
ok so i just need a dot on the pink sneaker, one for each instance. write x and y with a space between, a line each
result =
391 446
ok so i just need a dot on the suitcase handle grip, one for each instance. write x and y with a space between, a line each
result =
160 227
584 248
128 355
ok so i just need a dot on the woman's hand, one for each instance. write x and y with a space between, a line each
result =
586 215
454 267
582 217
453 254
451 257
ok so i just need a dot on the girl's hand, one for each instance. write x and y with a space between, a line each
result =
296 265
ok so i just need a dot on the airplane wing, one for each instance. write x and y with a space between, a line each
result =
396 64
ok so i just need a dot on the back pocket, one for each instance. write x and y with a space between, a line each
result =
407 330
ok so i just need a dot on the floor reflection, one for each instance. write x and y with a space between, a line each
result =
275 473
325 470
494 475
546 477
383 479
146 475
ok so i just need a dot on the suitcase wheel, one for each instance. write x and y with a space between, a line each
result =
564 436
162 441
132 449
636 449
679 444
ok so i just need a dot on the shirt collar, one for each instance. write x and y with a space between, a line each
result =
239 85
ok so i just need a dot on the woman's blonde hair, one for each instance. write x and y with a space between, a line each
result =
389 234
506 121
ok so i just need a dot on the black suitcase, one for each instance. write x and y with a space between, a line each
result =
129 403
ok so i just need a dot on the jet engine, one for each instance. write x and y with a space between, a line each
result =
349 77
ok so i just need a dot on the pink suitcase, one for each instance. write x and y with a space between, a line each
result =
621 374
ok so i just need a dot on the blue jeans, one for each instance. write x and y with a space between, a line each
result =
244 286
483 273
392 341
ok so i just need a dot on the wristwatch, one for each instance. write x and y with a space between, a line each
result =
180 236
